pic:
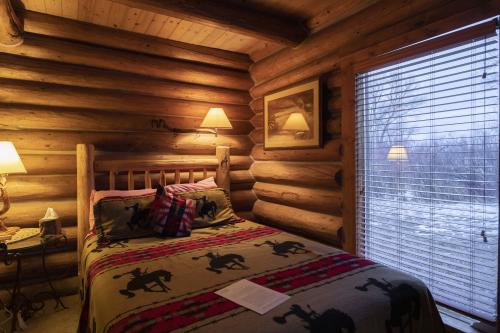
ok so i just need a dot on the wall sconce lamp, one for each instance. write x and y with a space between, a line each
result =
215 119
10 162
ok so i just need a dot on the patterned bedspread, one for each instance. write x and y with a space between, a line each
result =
168 285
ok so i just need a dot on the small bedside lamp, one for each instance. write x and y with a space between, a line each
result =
216 118
10 162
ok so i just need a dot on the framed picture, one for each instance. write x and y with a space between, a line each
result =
292 117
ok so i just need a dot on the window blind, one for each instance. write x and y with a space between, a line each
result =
427 170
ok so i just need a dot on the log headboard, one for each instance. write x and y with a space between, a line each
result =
88 164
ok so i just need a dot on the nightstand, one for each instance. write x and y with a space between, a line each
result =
16 252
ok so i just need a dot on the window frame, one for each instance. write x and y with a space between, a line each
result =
349 71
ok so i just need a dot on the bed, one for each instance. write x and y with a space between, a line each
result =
167 284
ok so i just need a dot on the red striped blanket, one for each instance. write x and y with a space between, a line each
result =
168 285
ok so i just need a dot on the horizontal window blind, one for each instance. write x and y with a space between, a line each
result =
427 170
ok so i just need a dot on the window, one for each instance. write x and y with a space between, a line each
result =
427 168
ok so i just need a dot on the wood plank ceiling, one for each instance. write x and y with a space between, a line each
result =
314 14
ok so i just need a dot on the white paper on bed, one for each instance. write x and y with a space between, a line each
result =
253 296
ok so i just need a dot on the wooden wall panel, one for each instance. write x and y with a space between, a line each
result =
56 94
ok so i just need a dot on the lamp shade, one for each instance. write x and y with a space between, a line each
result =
296 122
216 118
397 153
10 162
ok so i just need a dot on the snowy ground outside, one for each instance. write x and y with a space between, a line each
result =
438 245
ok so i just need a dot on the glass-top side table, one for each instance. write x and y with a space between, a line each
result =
15 253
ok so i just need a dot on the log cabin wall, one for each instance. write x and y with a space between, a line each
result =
312 191
301 190
71 82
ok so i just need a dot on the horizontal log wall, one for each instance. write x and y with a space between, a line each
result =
312 191
59 92
300 190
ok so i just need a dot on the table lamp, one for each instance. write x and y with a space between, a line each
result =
10 163
216 118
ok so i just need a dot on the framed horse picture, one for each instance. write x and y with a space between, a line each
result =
292 117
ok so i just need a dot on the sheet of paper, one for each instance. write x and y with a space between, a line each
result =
252 296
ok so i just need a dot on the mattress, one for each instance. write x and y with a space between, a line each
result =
168 285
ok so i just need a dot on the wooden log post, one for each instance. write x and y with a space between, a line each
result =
177 178
85 185
222 177
11 28
349 158
147 179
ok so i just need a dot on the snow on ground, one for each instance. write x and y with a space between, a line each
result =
441 244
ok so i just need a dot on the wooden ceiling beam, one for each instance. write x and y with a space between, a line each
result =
336 12
10 25
228 16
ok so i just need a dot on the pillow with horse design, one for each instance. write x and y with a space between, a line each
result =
212 206
123 217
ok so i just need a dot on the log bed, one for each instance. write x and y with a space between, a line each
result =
89 163
175 278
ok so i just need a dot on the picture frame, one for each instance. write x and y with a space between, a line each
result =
292 117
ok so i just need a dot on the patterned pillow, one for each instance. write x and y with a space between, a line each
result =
204 184
96 196
171 216
212 207
123 217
